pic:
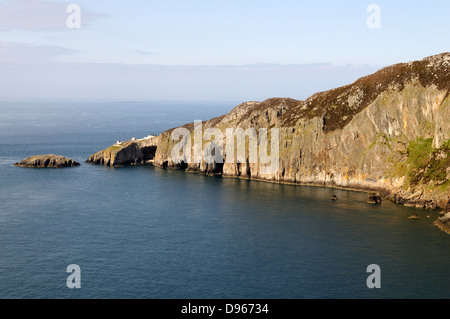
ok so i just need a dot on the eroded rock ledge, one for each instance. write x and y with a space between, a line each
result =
47 161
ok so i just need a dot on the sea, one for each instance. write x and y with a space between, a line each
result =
143 232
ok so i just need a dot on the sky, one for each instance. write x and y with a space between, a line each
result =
207 50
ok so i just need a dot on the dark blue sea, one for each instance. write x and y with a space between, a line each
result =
145 232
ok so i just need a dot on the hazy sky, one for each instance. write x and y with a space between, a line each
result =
207 49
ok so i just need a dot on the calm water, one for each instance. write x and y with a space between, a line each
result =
144 232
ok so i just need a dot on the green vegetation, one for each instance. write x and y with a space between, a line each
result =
114 148
439 162
419 151
423 164
386 141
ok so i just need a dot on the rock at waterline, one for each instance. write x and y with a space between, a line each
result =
47 161
373 198
443 222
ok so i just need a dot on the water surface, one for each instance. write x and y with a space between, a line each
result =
145 232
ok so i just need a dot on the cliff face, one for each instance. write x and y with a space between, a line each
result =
388 131
126 153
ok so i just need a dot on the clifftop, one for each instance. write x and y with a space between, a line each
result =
338 106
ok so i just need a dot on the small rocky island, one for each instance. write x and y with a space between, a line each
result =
48 160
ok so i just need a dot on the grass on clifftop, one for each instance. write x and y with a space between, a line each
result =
114 148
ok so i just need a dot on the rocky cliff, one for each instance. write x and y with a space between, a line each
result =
126 153
388 131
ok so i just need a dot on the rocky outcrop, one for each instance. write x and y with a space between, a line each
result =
387 132
126 153
49 160
443 222
374 198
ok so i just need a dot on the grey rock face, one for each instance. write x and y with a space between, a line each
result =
366 135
